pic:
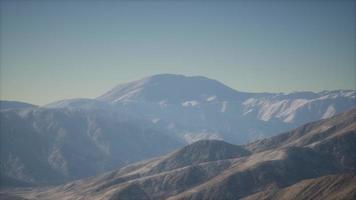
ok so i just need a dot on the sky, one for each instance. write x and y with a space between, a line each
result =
53 50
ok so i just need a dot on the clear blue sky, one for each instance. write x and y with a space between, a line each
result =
52 50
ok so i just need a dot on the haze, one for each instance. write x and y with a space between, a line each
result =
57 50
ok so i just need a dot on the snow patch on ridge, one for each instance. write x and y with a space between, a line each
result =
212 98
128 95
190 103
289 113
330 111
162 104
155 120
223 106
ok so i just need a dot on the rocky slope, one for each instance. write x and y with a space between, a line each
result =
331 187
272 168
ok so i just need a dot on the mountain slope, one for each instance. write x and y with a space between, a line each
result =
47 146
218 170
334 155
330 187
310 134
195 107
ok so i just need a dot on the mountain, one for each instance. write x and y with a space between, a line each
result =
51 145
147 118
5 105
195 107
317 157
173 89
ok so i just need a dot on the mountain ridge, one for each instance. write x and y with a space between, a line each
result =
197 107
6 104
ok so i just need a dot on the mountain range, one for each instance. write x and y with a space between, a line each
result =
314 161
146 118
201 108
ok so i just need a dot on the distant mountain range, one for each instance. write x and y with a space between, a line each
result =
195 107
314 161
142 119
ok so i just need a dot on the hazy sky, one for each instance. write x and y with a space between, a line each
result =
65 49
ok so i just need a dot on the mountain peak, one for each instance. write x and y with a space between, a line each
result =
202 151
169 77
171 88
165 76
209 150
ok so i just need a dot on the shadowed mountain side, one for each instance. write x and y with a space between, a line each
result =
48 146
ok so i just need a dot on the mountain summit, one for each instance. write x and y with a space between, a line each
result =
172 88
